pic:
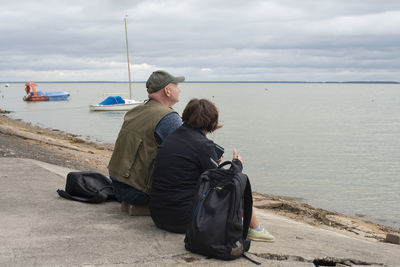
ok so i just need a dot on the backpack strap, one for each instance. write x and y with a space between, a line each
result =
236 165
247 208
98 198
250 259
223 164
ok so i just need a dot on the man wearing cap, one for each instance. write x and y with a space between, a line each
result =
143 130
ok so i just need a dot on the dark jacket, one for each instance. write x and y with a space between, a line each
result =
181 158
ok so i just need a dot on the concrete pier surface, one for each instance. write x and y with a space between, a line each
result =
38 228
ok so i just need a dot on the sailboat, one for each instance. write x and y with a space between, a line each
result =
117 103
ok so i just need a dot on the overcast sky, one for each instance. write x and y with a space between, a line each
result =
204 40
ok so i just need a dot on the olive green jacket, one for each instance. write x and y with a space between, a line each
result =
132 161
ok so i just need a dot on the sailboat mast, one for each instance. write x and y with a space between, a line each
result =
129 65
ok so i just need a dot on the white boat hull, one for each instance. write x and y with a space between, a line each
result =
128 105
118 106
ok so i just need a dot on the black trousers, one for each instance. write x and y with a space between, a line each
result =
180 229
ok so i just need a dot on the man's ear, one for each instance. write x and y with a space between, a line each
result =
167 91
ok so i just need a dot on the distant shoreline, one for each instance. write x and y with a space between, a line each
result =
318 82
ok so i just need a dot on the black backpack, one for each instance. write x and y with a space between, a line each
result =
221 214
90 187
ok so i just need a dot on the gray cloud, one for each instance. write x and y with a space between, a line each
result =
203 40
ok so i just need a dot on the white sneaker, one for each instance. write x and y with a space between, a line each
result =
263 235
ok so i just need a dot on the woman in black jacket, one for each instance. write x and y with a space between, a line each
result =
181 158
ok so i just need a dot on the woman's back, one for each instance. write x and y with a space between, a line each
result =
182 157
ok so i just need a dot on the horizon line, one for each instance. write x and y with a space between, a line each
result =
361 82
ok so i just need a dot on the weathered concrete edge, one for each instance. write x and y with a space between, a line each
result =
60 171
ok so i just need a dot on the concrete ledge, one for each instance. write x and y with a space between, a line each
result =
38 228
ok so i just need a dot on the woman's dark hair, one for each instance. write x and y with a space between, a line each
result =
201 114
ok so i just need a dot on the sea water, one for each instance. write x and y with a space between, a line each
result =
335 145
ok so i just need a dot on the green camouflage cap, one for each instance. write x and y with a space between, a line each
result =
159 79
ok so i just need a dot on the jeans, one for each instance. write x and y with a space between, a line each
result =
129 194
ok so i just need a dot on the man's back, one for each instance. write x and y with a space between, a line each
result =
136 147
144 127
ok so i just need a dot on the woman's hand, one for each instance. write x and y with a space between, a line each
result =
237 156
220 159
